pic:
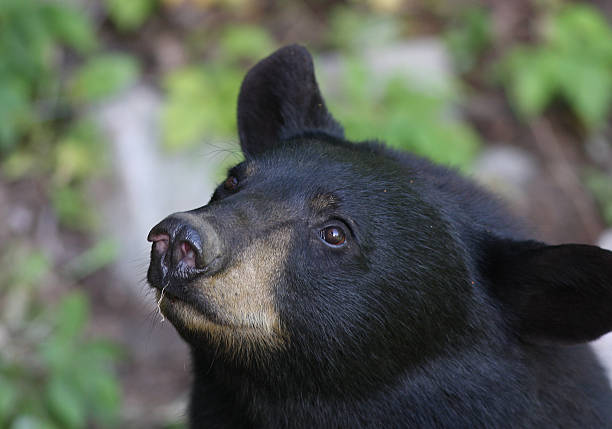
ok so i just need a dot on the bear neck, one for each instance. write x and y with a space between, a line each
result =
268 394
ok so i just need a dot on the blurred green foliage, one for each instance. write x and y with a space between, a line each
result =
51 374
30 34
101 76
396 111
468 36
101 254
242 44
79 156
354 30
600 185
201 99
572 62
201 103
130 14
44 130
404 117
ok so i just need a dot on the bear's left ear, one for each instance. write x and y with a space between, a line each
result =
553 294
279 98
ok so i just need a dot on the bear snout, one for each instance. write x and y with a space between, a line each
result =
186 246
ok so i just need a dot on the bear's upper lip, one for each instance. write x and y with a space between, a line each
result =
160 278
174 292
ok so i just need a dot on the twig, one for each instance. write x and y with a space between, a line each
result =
565 175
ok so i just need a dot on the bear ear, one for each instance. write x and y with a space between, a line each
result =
553 294
280 98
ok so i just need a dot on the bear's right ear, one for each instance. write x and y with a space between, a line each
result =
552 294
280 98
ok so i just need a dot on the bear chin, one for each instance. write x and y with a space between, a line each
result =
194 326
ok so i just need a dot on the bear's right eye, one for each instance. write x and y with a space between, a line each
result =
333 236
231 184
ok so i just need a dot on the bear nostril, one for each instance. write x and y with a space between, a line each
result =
186 243
187 254
185 249
161 242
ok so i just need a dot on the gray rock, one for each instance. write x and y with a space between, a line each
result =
603 346
506 170
603 350
423 62
605 240
19 219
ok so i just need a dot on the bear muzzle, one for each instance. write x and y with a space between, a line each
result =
184 247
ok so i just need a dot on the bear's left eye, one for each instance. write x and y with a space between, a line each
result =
333 236
231 184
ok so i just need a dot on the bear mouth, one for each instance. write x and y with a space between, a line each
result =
173 298
175 286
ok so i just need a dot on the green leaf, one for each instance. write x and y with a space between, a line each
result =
103 76
66 403
72 315
533 81
130 14
573 62
72 208
469 37
201 103
70 26
15 112
104 395
73 160
580 29
405 118
188 95
354 30
101 352
57 353
30 268
100 255
245 42
588 88
8 397
600 185
80 153
18 164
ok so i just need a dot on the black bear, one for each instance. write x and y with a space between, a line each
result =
330 284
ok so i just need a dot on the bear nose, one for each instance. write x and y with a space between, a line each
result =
179 240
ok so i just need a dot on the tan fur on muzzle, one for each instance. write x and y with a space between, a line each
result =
242 297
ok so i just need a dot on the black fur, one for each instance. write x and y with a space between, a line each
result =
435 314
281 104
